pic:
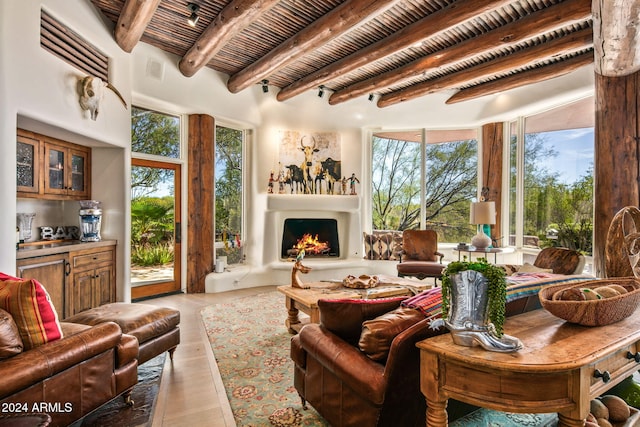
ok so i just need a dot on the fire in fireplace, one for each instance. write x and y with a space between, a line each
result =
318 237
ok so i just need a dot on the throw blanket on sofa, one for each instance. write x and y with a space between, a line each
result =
519 285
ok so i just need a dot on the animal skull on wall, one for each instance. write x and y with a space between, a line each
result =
91 91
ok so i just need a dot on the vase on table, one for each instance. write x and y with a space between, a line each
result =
468 315
25 221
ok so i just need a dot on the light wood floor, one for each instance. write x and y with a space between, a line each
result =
191 391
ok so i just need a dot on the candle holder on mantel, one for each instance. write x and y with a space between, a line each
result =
25 221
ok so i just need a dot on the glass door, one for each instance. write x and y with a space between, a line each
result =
155 228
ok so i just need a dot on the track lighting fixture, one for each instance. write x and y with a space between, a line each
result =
193 18
265 86
371 97
321 91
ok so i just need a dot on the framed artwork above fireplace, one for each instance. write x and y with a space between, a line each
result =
309 163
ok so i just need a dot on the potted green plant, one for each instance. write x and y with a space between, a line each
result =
474 296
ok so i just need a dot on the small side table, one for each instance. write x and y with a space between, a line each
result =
473 250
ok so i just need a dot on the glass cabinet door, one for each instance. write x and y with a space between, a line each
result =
55 182
78 167
27 161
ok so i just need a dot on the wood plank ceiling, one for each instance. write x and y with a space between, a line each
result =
390 51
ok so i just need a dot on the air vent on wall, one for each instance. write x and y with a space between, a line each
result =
66 44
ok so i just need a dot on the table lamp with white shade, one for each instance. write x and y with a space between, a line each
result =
482 213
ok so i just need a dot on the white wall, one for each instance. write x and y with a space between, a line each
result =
37 90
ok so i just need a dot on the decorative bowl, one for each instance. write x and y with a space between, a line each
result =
597 312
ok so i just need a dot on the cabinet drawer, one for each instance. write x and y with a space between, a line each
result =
614 368
90 260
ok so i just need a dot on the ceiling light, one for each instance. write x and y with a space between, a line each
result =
371 97
265 86
321 91
193 19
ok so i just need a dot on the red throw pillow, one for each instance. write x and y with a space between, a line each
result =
30 306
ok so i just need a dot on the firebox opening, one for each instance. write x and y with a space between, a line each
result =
325 231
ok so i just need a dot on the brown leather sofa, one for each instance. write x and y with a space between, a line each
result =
69 377
349 382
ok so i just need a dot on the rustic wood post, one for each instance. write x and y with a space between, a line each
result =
616 154
200 229
491 180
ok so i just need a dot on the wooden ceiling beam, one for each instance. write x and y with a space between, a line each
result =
431 25
616 37
343 18
549 19
234 18
579 40
133 20
522 79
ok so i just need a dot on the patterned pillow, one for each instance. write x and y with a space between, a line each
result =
383 245
371 246
30 306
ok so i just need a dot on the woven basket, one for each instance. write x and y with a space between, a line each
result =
595 312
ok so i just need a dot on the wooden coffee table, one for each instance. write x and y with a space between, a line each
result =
306 300
560 369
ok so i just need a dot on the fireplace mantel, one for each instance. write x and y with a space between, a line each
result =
313 202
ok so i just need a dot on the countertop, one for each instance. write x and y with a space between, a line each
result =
59 247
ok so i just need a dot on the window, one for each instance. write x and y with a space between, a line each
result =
228 193
557 149
428 184
155 133
155 203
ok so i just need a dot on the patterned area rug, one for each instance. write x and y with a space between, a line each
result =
251 345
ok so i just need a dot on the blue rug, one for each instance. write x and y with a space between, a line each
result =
490 418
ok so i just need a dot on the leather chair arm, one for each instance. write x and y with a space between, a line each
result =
127 350
37 364
440 255
346 362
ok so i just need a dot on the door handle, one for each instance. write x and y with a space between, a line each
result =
178 232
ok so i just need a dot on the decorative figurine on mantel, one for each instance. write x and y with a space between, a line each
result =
344 185
352 182
271 180
299 268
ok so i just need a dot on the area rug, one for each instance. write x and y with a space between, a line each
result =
251 346
118 414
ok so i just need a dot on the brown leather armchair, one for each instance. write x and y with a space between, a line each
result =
419 256
351 387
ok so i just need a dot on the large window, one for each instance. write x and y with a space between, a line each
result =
155 203
228 193
552 200
424 184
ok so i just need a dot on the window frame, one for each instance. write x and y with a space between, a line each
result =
520 124
246 136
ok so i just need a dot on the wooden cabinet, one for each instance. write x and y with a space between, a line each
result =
49 168
28 164
52 272
76 280
92 279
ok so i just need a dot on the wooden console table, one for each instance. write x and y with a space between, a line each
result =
560 369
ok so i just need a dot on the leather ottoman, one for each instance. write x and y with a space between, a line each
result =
156 328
